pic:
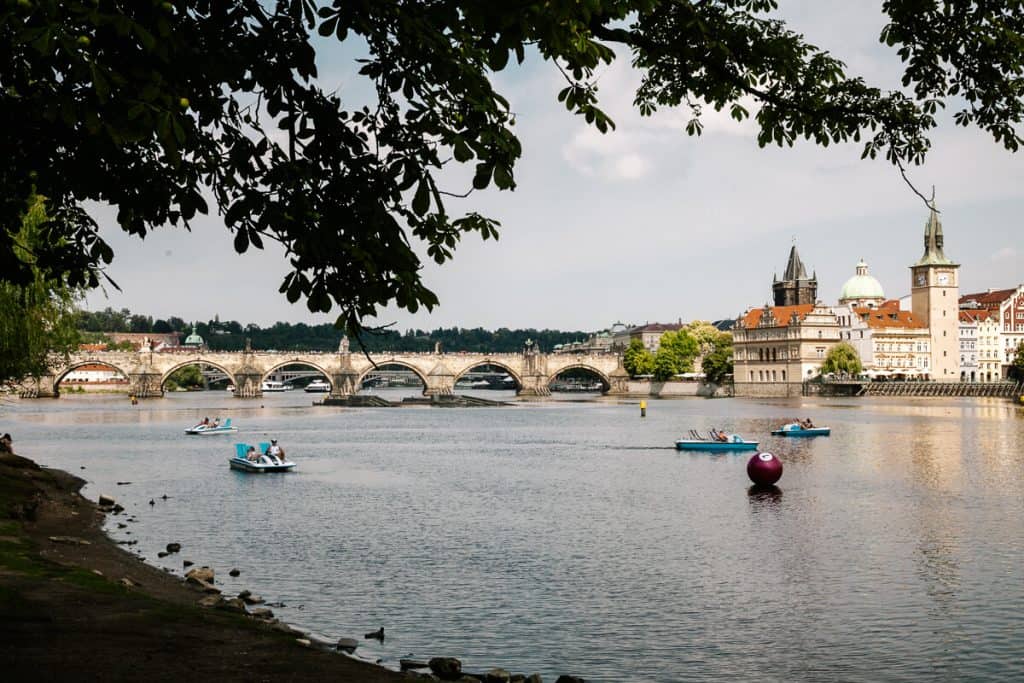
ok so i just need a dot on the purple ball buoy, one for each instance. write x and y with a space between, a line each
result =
764 469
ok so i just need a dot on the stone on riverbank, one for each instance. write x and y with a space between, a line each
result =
569 679
106 501
173 547
234 572
209 601
407 664
348 644
69 540
250 599
261 613
497 675
204 574
446 668
232 605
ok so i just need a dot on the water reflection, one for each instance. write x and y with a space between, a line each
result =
558 536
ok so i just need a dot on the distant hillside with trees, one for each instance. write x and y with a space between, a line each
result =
230 335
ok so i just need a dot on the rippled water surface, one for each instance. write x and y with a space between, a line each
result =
570 537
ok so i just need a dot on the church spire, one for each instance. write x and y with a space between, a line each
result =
933 254
795 268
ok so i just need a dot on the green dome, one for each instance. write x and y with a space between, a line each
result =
862 286
194 339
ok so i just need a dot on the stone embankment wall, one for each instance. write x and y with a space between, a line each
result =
646 387
769 389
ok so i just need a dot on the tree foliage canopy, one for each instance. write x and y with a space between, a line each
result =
842 358
637 360
676 353
36 317
1016 370
156 107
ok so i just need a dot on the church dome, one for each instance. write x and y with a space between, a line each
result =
194 339
862 288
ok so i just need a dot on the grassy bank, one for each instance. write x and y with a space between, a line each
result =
74 605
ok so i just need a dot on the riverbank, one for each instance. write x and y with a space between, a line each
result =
74 605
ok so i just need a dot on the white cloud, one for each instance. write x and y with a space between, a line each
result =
1005 254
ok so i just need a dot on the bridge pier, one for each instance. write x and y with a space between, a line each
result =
440 381
248 384
535 385
145 384
344 384
39 387
619 381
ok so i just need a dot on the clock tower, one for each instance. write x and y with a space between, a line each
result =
935 297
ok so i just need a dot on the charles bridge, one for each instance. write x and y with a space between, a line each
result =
147 371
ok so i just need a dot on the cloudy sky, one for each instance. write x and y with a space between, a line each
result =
645 223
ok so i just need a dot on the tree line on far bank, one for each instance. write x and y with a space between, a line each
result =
282 336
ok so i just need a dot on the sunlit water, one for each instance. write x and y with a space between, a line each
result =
570 537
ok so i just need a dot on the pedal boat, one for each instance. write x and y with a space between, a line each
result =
735 442
794 429
204 430
263 462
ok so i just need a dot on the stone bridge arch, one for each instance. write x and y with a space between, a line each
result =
475 363
274 367
199 360
606 381
60 375
408 365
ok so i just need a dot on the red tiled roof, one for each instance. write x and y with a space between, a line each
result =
990 300
782 314
976 315
889 316
92 347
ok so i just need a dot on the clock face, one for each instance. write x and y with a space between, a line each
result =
920 279
943 278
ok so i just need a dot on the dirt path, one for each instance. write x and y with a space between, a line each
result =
66 614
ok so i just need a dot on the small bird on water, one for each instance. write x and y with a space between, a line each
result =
376 635
152 502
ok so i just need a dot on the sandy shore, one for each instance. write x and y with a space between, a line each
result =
75 606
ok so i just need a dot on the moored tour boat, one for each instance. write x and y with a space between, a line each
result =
320 386
270 385
261 462
796 429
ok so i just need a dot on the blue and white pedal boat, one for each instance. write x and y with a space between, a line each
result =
735 442
205 430
262 463
794 429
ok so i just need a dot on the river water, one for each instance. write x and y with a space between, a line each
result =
570 537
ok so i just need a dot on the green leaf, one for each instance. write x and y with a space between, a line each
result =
241 241
421 201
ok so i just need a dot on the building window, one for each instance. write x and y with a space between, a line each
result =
783 375
773 375
751 375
